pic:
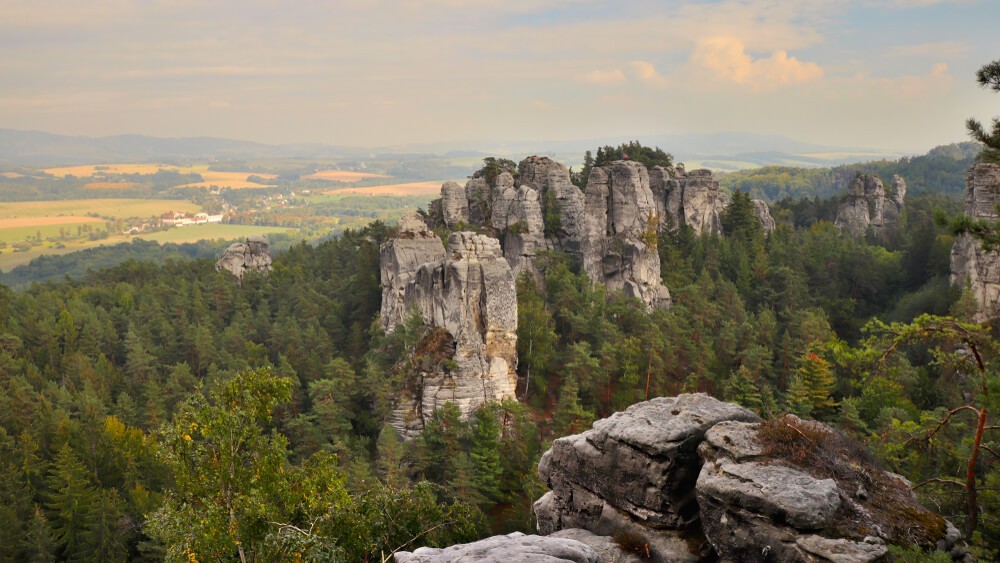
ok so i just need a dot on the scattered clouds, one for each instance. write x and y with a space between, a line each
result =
726 58
936 82
647 73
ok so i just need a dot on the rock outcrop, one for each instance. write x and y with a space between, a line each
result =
969 262
468 292
506 549
693 199
618 246
763 214
611 231
241 257
694 479
867 207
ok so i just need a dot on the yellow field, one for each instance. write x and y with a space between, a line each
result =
341 176
110 185
211 177
86 170
117 208
10 174
18 222
413 188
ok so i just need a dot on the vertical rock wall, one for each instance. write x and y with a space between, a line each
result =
468 290
867 206
969 262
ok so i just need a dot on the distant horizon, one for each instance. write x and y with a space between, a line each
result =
898 74
515 146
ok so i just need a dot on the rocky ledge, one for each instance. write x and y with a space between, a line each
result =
690 478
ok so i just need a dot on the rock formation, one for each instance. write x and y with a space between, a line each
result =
618 246
867 206
763 214
468 292
505 549
692 198
695 479
250 255
969 262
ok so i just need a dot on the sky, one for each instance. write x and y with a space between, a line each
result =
892 74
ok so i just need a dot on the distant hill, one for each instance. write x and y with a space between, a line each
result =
941 170
35 148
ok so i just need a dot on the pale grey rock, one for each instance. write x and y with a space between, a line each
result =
511 548
604 546
400 258
454 204
469 292
249 255
843 551
618 245
552 182
866 206
969 262
733 440
695 199
763 214
650 448
524 234
779 492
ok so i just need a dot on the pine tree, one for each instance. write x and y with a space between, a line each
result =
811 391
485 453
389 452
741 389
570 417
988 76
71 504
39 543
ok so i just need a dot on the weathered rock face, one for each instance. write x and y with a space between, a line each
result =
867 206
672 470
469 292
618 245
763 214
241 257
651 451
399 260
510 548
969 262
694 199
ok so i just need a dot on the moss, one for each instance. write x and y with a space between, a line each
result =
825 454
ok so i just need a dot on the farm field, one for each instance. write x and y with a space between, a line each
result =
235 180
10 259
342 176
117 208
408 189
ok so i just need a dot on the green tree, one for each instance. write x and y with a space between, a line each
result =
988 76
71 504
485 453
226 468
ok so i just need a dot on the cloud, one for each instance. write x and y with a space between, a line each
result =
937 81
647 73
603 77
726 58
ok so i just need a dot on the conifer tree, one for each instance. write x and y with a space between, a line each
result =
71 500
485 453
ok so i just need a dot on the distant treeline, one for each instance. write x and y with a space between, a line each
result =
942 170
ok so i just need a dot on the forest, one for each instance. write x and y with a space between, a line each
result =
156 409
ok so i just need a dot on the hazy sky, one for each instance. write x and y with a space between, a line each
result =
895 74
